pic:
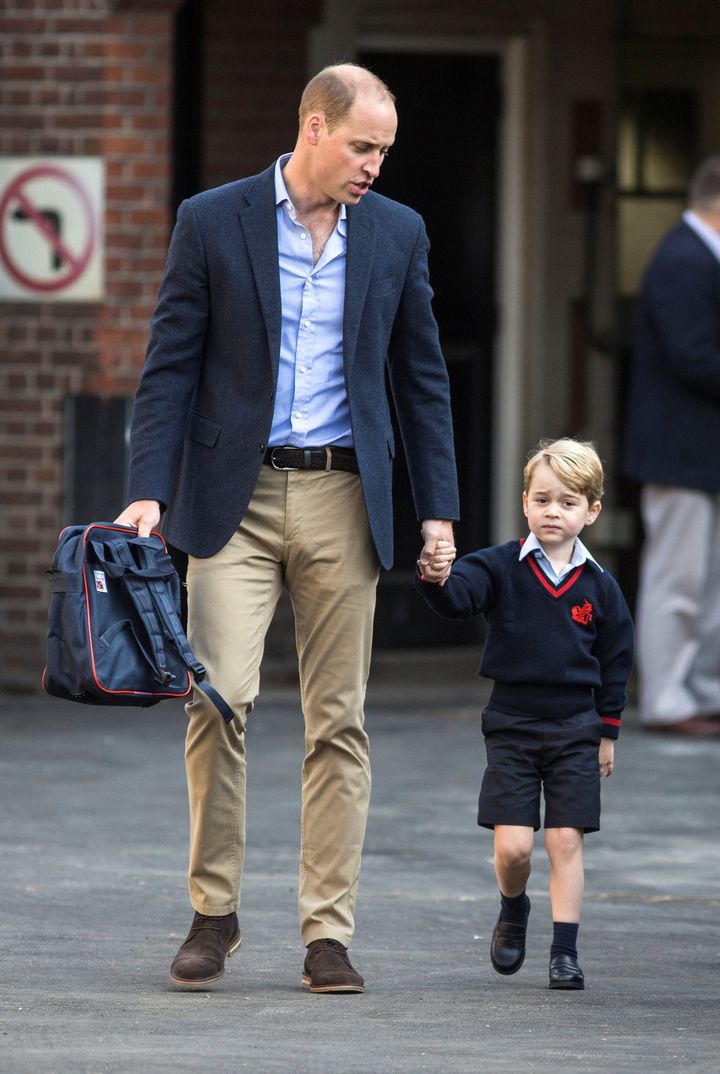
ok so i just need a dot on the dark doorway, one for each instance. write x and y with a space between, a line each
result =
95 457
444 164
187 115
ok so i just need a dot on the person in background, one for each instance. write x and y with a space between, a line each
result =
672 446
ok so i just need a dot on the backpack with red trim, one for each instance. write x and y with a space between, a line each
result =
114 630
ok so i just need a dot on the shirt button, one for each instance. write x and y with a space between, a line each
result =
303 235
306 323
261 447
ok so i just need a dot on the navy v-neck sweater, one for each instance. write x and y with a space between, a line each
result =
553 650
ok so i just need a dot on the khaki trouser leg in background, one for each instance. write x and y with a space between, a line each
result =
306 530
678 610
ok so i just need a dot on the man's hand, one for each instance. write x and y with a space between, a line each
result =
437 567
434 530
607 755
144 515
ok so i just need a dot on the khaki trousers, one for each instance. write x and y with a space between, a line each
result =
678 609
306 530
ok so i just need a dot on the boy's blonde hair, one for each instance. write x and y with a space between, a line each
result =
575 462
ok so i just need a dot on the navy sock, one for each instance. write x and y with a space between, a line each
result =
514 909
564 941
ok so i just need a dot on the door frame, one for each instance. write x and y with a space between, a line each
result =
510 392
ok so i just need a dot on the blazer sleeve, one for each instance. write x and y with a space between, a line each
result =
172 364
686 319
421 392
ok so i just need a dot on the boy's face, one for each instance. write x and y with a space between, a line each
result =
556 513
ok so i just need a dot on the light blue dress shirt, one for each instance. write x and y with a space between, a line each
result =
580 555
311 406
708 235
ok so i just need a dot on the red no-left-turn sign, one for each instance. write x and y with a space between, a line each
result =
49 229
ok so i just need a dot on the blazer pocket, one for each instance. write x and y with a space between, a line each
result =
203 430
384 287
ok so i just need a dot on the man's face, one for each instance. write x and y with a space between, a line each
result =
347 160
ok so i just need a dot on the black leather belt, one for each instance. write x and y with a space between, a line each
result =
315 458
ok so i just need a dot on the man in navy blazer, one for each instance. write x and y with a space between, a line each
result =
262 430
672 445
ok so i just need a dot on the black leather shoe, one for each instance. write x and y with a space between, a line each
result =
565 972
201 959
507 947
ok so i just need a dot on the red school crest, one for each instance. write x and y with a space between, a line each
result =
582 613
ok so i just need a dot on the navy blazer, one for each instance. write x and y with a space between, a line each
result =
672 433
204 405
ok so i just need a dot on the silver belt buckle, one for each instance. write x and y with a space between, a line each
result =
275 465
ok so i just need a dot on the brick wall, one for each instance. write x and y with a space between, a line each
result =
79 77
255 67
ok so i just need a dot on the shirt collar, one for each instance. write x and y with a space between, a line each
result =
283 198
580 552
708 235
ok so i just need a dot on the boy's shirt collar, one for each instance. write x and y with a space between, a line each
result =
580 555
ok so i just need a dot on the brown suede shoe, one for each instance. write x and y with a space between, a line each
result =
201 959
327 969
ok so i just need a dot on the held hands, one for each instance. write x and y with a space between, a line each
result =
606 756
143 515
438 552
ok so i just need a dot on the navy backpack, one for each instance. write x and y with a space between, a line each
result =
114 630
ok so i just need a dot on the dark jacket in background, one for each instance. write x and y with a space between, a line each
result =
672 433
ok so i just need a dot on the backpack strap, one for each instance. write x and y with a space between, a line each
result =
138 588
162 600
149 588
217 700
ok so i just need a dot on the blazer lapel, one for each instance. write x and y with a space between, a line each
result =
259 226
358 265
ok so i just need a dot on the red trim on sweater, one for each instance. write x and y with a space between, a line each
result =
541 577
611 720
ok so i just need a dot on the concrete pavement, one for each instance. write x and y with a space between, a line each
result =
93 840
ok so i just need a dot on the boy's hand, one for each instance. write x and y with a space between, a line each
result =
606 756
436 567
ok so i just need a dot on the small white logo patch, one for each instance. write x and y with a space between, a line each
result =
100 583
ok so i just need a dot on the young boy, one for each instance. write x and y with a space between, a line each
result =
559 647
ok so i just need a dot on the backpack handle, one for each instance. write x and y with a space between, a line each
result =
116 567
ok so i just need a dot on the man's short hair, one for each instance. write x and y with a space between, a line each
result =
333 91
575 462
705 185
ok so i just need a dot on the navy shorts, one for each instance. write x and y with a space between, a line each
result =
527 754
